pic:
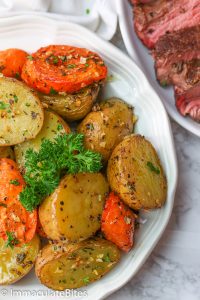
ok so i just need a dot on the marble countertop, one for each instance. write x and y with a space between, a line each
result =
172 272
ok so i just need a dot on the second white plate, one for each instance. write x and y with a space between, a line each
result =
142 57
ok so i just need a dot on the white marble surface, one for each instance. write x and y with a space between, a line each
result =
172 272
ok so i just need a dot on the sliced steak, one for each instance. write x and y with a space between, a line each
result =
153 20
173 50
188 103
141 1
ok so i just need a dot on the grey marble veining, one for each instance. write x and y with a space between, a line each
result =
172 272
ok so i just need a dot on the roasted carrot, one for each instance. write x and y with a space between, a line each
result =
58 68
118 223
13 216
40 229
12 61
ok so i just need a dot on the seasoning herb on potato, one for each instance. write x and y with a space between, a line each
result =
72 266
16 262
21 113
73 211
106 126
135 173
74 106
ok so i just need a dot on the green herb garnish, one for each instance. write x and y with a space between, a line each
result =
66 154
87 11
3 105
53 92
164 83
59 127
14 182
17 76
153 168
86 280
3 204
15 98
30 57
107 258
71 66
11 241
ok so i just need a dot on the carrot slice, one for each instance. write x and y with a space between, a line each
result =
59 68
118 223
12 61
40 229
13 216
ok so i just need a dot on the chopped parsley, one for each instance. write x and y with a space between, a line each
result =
17 76
164 83
107 258
14 182
153 168
11 240
86 280
87 11
55 60
30 57
15 98
65 154
59 127
3 105
71 66
53 92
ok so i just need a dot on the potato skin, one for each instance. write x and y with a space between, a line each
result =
17 262
21 114
75 106
130 176
106 127
7 152
73 211
70 266
53 126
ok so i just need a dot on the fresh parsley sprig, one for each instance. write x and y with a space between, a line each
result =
65 154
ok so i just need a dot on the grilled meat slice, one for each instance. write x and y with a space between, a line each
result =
175 49
153 20
188 102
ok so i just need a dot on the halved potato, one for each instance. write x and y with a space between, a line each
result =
71 266
21 113
135 173
73 211
75 106
105 127
53 126
17 262
7 152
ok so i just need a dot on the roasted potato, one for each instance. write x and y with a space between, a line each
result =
135 173
53 126
17 262
7 152
21 113
73 211
75 106
106 127
71 266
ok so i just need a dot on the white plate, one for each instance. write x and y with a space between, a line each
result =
130 85
142 57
